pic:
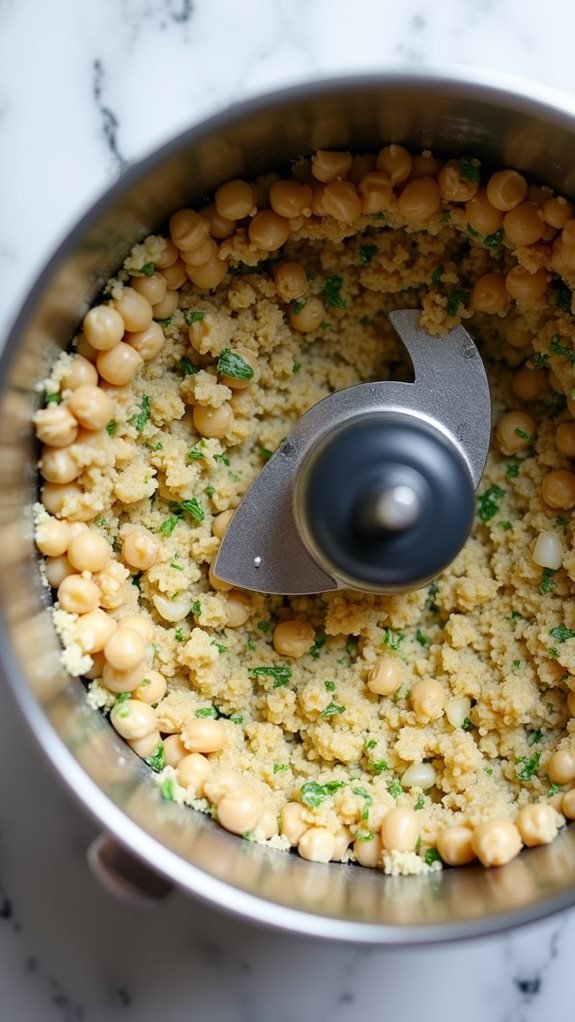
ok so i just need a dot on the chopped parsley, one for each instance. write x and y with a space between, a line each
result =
165 322
220 646
332 292
175 564
195 452
422 639
103 522
313 794
325 324
265 453
158 446
207 711
523 435
280 673
394 788
236 718
187 366
179 635
191 507
562 296
487 506
562 633
370 743
297 365
540 361
554 789
112 427
221 458
534 737
454 300
319 642
437 274
168 525
420 803
53 398
379 766
351 647
332 710
330 686
156 760
168 790
121 698
469 169
495 239
512 470
280 767
560 349
392 639
265 626
196 608
364 321
194 316
234 366
139 420
467 725
209 491
431 856
516 665
297 306
516 616
148 269
560 522
527 766
505 525
368 801
547 583
367 252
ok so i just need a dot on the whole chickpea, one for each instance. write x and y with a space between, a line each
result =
329 166
292 823
454 844
221 522
428 699
268 231
490 294
125 649
103 327
140 549
496 842
93 630
558 489
238 608
537 824
174 750
58 466
120 365
56 426
453 186
89 551
290 280
52 537
152 288
561 766
565 439
400 830
515 431
235 200
134 309
293 638
341 201
384 677
307 317
192 771
133 719
79 373
78 595
317 844
419 199
152 688
368 853
396 162
239 813
529 384
214 423
375 191
506 189
201 734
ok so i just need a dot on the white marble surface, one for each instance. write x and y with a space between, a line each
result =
85 88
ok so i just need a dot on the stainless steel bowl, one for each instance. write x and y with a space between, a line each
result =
504 125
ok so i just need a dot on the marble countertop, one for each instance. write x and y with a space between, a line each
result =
86 88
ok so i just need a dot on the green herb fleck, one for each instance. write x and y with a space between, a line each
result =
547 583
313 794
351 647
493 240
196 608
280 767
394 788
431 856
325 324
187 366
364 321
265 454
234 366
168 790
332 710
553 652
191 507
367 252
165 322
236 718
472 232
168 525
523 435
560 349
467 725
562 633
297 306
220 646
420 803
174 564
112 427
194 316
121 698
179 635
222 459
560 522
487 505
368 800
512 470
297 366
319 643
330 686
195 452
156 760
437 274
469 169
370 743
103 522
534 737
422 639
505 525
527 767
554 789
562 296
392 639
332 292
148 269
158 446
265 626
516 665
53 398
209 491
207 711
489 771
379 766
280 673
454 300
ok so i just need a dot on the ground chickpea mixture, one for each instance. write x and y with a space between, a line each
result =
400 732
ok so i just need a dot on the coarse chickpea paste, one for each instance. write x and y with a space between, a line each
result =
400 732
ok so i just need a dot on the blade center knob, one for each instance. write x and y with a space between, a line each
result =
392 508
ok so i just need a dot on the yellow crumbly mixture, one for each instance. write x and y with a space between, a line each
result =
484 629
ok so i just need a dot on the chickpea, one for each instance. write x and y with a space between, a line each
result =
173 610
537 824
168 257
290 280
133 719
78 595
239 813
424 165
557 211
152 688
193 771
419 775
428 699
152 288
57 569
165 309
524 224
140 549
514 432
529 384
368 853
506 189
361 165
308 318
248 356
419 200
454 844
317 844
103 327
56 426
268 231
220 227
452 186
188 229
201 734
88 551
292 824
125 649
234 200
524 286
516 334
267 824
147 745
396 162
399 830
174 277
490 294
568 804
329 166
213 422
561 766
201 255
481 215
293 638
93 630
496 842
120 365
85 349
97 667
206 277
457 709
57 465
135 310
341 201
80 373
174 750
52 537
221 522
238 608
223 783
142 625
56 496
148 343
384 677
565 439
91 407
290 199
558 489
218 583
317 206
122 681
375 191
